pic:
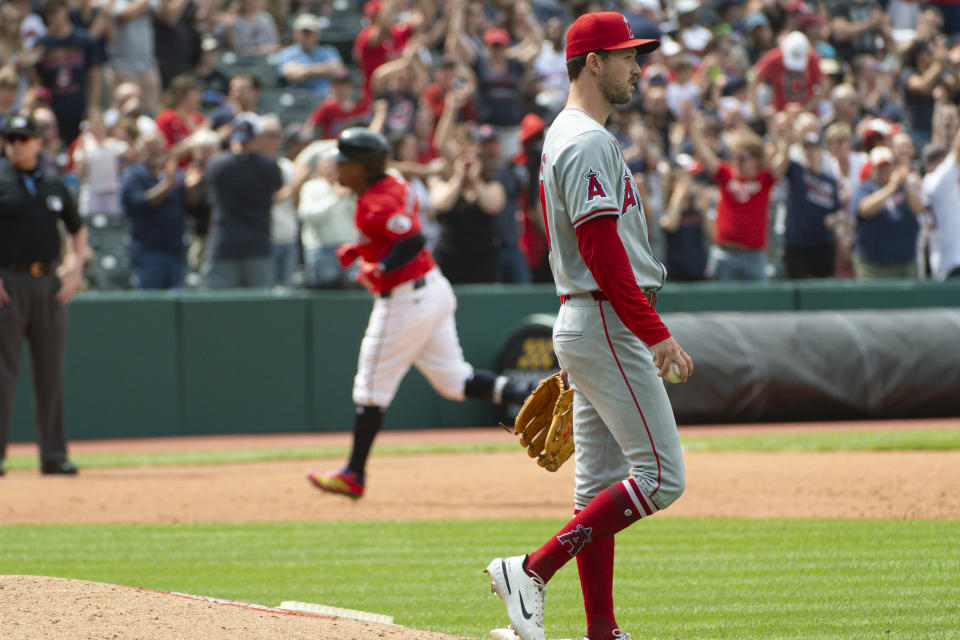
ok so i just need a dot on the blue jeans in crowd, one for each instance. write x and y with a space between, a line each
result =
322 268
729 264
157 270
512 266
285 260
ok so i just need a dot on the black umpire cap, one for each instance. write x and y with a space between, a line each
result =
20 125
359 144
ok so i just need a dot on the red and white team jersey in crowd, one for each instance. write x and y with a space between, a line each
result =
742 209
388 212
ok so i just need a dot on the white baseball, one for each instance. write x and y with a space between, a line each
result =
673 373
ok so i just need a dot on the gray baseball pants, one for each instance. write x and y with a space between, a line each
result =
622 419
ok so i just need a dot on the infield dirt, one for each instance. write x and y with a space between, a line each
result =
745 484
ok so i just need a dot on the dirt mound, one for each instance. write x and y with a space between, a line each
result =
42 608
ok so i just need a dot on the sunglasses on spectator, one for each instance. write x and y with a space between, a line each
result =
12 139
741 157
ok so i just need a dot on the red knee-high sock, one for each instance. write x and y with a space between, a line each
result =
613 509
595 566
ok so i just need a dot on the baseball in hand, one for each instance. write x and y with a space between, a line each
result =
673 373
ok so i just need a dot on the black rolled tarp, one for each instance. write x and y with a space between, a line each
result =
831 365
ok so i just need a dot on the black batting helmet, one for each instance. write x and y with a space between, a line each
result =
359 144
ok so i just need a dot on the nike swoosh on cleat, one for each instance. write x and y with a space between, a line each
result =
503 567
523 609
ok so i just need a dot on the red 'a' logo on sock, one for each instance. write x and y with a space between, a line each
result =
573 541
594 188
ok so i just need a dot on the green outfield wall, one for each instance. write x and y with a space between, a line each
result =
163 364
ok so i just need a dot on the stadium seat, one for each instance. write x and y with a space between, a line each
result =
263 67
111 264
290 105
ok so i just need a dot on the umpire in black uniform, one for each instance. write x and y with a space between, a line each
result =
35 287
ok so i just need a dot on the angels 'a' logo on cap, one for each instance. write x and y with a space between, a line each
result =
629 28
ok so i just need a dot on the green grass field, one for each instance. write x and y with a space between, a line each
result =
881 440
677 578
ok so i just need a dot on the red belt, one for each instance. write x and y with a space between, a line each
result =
596 294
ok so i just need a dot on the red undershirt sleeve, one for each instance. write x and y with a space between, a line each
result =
607 260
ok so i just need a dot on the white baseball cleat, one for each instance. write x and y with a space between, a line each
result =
504 634
522 593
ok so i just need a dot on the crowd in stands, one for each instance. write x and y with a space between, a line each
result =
770 139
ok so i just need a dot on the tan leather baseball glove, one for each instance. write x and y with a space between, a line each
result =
545 423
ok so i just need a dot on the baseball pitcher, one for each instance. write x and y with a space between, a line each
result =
607 336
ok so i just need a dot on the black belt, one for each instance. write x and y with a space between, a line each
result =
419 283
36 269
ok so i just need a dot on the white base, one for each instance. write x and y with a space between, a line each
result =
336 612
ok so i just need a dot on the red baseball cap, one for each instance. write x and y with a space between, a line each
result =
531 125
497 35
604 30
808 20
371 9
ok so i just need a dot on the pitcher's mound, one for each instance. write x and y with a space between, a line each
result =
42 608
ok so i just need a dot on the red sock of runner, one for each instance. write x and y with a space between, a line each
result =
612 510
595 566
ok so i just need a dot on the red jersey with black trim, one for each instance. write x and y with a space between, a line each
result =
388 212
743 208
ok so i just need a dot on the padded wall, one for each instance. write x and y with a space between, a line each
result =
154 364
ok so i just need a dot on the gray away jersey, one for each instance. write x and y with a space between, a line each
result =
583 175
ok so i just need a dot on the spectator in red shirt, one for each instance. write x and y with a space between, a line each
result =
744 203
533 239
380 41
449 75
793 72
181 115
340 109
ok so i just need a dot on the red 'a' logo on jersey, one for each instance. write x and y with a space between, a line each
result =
593 185
574 541
629 198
